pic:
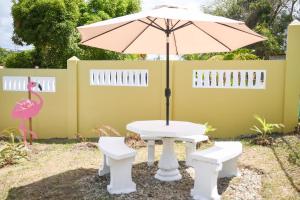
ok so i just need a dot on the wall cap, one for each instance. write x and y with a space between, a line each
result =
73 58
295 22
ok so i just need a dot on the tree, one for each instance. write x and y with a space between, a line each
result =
3 55
267 17
50 26
98 10
24 59
240 54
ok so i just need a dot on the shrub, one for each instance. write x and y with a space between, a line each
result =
10 151
3 55
264 130
294 158
22 59
209 128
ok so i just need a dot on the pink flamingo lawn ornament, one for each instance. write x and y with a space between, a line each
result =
26 109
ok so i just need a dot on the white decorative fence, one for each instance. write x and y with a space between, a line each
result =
19 83
235 79
122 77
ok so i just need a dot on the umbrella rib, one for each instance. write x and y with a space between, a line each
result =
212 36
175 43
153 21
175 24
175 37
182 26
159 28
240 30
106 32
138 36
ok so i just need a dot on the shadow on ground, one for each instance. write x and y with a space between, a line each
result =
63 140
86 184
282 153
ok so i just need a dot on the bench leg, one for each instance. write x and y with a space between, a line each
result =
206 177
229 168
151 152
120 176
190 147
105 168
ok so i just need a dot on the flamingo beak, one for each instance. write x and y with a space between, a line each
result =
40 87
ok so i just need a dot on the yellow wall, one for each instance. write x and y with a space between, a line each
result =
292 78
229 110
52 120
116 106
77 107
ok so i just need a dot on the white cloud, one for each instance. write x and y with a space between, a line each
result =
5 23
6 26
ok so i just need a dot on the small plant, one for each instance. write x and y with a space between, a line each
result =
134 140
209 128
131 139
11 152
294 158
9 134
80 138
264 130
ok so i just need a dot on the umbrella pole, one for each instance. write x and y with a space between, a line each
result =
167 90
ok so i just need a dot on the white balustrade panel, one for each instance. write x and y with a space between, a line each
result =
235 79
19 83
119 77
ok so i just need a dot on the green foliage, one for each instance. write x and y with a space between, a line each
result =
209 128
269 47
240 54
20 60
3 55
11 152
50 26
98 10
264 128
294 157
269 18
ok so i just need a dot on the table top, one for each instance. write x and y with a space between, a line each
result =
159 128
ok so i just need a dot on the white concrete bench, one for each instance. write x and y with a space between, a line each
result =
150 147
118 159
209 164
190 146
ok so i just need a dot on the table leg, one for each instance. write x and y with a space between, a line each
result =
168 164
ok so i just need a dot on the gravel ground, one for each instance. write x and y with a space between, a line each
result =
245 187
63 171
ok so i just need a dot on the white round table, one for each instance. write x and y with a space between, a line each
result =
168 163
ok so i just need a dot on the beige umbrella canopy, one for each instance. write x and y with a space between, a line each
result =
169 30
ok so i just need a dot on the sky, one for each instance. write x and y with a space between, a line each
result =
6 28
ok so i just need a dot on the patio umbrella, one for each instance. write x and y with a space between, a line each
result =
169 30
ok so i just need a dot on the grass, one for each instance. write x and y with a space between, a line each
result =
57 168
278 181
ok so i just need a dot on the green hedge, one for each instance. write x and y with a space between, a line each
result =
23 59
